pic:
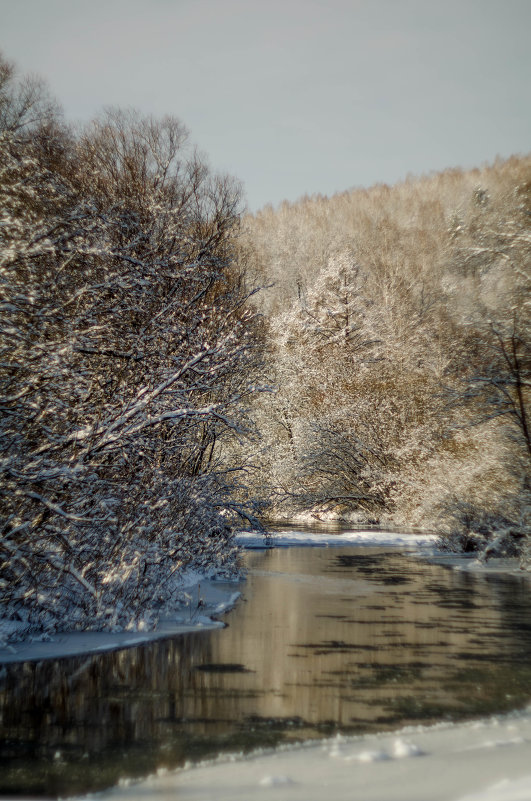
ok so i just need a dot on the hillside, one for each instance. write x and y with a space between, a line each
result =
399 345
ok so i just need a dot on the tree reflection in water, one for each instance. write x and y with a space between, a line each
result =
324 640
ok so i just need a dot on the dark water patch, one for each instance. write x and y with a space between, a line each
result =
418 710
278 724
223 667
369 567
358 560
460 605
336 646
493 657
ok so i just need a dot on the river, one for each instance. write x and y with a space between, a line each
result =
353 639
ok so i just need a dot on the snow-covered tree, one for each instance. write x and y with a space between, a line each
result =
399 320
492 253
129 354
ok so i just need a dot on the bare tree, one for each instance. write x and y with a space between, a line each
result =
129 355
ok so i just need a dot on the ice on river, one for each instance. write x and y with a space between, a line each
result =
486 760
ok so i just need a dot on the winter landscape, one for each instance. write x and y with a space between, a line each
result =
264 476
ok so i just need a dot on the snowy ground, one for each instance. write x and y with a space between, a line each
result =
487 760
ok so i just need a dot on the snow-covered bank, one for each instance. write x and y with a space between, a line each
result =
424 546
487 760
293 537
503 566
204 600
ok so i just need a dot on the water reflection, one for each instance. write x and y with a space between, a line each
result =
323 640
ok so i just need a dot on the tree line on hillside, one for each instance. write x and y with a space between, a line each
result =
400 346
129 356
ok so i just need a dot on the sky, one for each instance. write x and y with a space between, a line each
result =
295 97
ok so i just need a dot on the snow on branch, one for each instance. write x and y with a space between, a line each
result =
127 353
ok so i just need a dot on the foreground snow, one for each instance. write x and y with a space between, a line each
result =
487 760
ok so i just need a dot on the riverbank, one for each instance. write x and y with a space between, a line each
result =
469 562
208 599
205 601
486 760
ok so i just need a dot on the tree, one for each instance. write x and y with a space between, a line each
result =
491 390
493 250
129 355
501 385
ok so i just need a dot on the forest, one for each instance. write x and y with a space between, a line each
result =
173 368
399 322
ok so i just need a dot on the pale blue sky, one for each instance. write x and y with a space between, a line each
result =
296 96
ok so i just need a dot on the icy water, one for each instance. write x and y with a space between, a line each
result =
348 639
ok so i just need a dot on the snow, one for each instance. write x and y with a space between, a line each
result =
294 537
487 760
275 781
506 790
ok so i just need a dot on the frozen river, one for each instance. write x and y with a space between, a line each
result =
324 640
